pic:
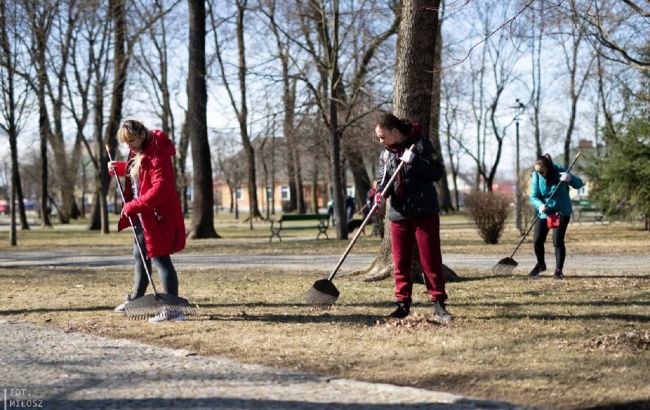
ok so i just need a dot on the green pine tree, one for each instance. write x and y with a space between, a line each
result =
621 181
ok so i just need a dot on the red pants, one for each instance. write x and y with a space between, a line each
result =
426 233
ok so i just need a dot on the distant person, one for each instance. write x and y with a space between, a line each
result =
414 212
377 219
557 208
153 206
349 208
330 211
370 200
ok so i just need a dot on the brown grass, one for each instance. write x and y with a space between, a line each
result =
571 344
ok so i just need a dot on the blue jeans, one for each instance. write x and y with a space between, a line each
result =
166 270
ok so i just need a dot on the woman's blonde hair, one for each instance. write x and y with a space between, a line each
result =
129 131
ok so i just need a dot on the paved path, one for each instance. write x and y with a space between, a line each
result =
94 258
59 370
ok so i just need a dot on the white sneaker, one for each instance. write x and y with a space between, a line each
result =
121 308
167 315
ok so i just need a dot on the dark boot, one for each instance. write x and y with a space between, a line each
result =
539 268
558 274
440 313
403 309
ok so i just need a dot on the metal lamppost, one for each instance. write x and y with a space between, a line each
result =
519 107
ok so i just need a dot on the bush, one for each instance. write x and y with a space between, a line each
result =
489 211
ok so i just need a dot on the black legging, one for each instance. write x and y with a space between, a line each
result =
539 237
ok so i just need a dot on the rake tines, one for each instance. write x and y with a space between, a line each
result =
322 294
153 304
505 266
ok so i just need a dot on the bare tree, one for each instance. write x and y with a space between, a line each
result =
434 131
451 125
239 107
154 61
15 97
538 28
289 83
52 28
498 61
228 167
571 47
40 23
613 27
335 94
202 193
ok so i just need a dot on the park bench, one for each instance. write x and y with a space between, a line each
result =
305 221
589 213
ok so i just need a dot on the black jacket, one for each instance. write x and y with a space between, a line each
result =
413 193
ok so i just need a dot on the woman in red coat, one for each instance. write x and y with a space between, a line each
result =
153 206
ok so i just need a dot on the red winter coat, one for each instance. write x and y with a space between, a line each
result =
158 204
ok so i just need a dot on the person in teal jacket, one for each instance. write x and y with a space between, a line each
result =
546 177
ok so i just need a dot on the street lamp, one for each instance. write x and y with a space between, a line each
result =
519 109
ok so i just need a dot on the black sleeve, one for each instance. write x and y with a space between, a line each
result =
382 174
426 164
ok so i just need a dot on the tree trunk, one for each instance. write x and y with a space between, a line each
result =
181 181
359 173
44 133
202 194
442 185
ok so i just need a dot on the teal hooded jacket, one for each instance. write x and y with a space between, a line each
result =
540 192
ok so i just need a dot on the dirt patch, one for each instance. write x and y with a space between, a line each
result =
635 340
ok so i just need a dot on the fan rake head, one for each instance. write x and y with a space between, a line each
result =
505 266
151 305
322 294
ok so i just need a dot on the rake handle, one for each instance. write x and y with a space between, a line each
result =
523 238
135 236
366 219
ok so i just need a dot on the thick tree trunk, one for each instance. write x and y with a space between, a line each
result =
202 195
443 187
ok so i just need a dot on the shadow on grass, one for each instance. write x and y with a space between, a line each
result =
52 310
367 320
255 404
387 304
594 303
549 277
589 316
628 405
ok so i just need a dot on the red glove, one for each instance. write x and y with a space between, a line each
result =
116 166
127 209
380 200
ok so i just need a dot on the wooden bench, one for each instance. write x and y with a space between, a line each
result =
305 221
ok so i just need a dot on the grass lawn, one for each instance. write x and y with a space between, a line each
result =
577 343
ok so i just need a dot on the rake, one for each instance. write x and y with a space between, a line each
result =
151 304
506 265
323 293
